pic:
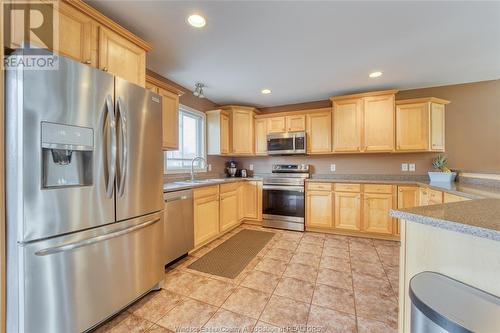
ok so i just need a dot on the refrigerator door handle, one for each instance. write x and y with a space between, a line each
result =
122 114
112 146
93 240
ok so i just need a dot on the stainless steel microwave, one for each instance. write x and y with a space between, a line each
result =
286 143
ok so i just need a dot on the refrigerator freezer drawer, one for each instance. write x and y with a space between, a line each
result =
73 282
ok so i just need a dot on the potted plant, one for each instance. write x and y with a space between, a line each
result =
445 174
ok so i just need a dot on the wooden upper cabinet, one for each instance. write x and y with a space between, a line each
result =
261 136
296 123
170 119
121 57
319 132
151 87
347 120
225 143
276 125
420 124
347 211
242 129
378 123
218 142
319 209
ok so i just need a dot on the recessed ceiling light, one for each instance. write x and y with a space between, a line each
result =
196 21
375 74
266 91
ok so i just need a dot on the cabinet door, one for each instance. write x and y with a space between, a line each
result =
447 197
376 217
319 212
424 197
241 201
437 127
408 196
121 57
296 123
224 134
261 137
412 127
435 197
243 132
347 211
319 133
378 123
228 210
347 125
276 125
253 200
206 219
170 119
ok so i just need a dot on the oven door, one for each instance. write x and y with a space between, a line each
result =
283 203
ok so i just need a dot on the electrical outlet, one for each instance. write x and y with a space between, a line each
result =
332 167
250 167
209 167
404 166
411 167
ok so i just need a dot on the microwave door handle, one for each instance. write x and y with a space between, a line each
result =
111 167
122 114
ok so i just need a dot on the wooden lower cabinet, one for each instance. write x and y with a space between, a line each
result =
348 211
448 197
408 197
206 217
253 200
319 209
376 207
229 210
430 197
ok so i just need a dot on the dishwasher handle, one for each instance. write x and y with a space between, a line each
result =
178 195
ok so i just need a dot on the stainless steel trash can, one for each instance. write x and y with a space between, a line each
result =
441 304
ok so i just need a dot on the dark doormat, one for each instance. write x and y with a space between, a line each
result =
231 257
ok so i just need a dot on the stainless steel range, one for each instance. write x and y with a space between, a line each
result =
283 198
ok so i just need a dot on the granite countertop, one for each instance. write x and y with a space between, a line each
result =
480 218
187 184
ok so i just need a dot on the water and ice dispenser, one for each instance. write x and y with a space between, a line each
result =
67 155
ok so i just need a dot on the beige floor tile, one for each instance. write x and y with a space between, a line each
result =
388 243
334 278
355 246
262 281
364 256
282 311
212 291
368 268
390 260
227 321
334 298
336 264
301 272
155 305
377 307
296 289
372 326
335 252
353 240
262 327
131 324
182 282
341 244
188 316
316 249
110 323
330 321
279 254
367 283
306 259
313 238
291 235
273 266
286 245
248 302
158 329
202 251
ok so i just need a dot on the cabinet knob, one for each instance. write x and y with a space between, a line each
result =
105 69
87 62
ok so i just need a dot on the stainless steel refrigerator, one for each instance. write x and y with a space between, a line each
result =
84 196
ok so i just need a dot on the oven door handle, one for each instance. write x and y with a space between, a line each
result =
284 188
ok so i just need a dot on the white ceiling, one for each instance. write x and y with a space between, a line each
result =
310 50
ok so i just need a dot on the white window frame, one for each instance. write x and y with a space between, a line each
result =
203 145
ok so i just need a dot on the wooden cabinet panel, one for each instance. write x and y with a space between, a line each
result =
345 187
241 200
408 196
319 133
430 197
206 219
121 57
347 211
378 123
376 217
448 197
170 119
242 129
228 210
276 125
347 125
218 142
296 123
261 136
437 127
378 188
319 211
253 200
224 134
412 127
319 186
151 87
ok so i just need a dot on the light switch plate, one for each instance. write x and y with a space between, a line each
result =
404 166
250 167
332 167
411 167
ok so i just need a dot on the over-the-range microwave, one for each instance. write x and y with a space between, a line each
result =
286 143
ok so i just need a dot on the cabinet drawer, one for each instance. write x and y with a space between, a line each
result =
347 187
229 187
319 186
378 188
206 191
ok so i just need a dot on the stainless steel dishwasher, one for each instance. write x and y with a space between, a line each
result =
179 224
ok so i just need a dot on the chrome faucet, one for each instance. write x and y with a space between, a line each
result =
192 165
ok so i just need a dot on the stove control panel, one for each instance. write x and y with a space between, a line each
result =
299 168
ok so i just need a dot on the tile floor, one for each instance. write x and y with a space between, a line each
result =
308 282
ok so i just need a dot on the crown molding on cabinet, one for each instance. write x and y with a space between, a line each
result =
365 94
422 100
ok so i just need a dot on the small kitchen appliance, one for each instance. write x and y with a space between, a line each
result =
231 169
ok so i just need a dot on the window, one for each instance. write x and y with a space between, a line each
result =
191 142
